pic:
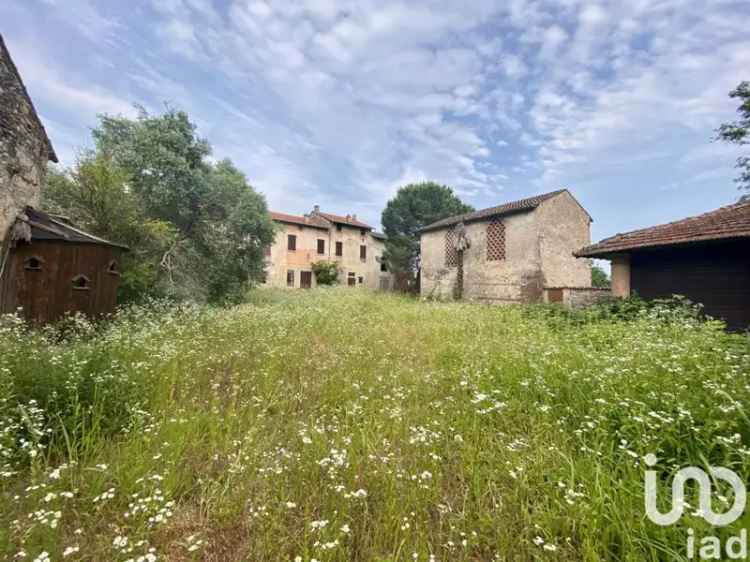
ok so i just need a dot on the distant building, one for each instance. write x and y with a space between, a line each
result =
706 258
48 267
302 240
520 251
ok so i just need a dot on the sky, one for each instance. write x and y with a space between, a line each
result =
338 103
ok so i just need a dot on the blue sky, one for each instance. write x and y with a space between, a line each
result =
339 102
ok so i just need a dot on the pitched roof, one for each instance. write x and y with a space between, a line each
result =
7 94
351 221
302 221
520 206
379 235
732 221
53 227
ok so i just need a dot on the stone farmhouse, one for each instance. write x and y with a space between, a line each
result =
520 251
302 240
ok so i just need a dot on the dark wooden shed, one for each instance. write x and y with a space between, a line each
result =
51 268
705 258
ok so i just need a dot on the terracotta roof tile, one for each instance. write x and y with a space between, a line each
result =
522 205
303 221
732 221
345 220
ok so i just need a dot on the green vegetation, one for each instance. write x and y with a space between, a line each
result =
197 230
599 277
326 272
346 425
738 132
413 207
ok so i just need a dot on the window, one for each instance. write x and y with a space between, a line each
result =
338 227
321 246
350 279
81 283
360 280
363 253
113 268
33 263
363 231
495 240
291 242
383 265
290 278
451 254
339 248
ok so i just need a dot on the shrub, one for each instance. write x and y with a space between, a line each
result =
326 272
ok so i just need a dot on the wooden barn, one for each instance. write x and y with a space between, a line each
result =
705 258
52 268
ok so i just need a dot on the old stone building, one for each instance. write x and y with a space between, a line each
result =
517 251
24 147
303 240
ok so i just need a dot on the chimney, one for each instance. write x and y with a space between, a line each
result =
316 209
348 217
354 217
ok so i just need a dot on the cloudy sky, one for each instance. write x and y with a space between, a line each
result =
340 102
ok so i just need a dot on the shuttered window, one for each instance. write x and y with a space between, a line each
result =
291 242
363 253
321 246
290 278
339 248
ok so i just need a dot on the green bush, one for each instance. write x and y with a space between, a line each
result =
326 272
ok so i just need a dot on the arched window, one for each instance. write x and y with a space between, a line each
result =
33 263
81 283
495 240
113 268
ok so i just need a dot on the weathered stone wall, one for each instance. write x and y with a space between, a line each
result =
281 260
578 297
539 248
517 278
24 150
564 228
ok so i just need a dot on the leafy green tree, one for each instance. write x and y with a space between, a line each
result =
210 224
414 207
738 132
599 277
95 193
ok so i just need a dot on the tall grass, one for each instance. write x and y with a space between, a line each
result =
344 425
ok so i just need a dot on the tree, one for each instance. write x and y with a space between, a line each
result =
738 132
599 277
414 207
211 225
326 272
95 193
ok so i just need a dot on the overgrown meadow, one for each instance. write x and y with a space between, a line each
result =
344 425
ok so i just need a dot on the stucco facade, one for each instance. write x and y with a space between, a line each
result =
320 237
24 146
539 238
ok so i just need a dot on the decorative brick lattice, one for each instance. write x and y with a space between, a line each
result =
451 254
495 240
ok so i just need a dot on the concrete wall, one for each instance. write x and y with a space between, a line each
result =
621 276
539 247
564 228
23 147
282 260
517 278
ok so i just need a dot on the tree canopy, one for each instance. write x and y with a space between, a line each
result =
414 207
196 229
738 132
599 277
